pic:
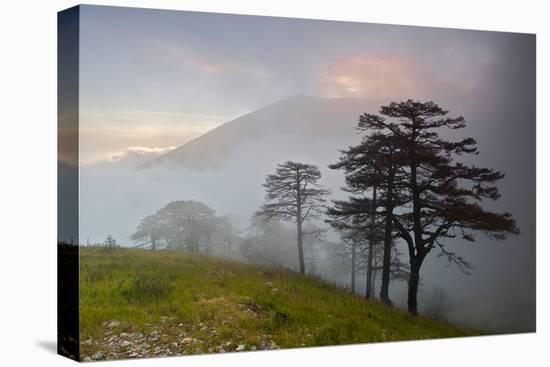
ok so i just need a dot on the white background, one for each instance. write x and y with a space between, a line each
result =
28 181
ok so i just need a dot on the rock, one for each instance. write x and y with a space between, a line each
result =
269 285
228 344
98 356
240 348
87 359
221 350
125 344
123 335
274 290
253 306
253 348
88 342
187 340
113 323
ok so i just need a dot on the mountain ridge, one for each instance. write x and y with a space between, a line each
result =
298 120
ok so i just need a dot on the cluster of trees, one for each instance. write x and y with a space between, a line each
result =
405 186
188 225
408 193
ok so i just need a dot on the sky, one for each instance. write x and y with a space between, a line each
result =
152 80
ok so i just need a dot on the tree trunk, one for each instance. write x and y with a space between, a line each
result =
373 282
300 245
414 278
353 267
386 259
368 292
207 250
299 225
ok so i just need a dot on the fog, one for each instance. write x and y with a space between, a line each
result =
115 195
290 89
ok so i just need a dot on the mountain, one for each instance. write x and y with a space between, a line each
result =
300 127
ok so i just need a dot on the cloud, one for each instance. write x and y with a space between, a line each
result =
366 75
106 134
130 156
206 62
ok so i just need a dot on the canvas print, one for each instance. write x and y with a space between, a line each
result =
232 183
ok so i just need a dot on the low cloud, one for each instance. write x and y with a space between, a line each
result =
131 156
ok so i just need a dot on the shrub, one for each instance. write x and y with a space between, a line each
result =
148 285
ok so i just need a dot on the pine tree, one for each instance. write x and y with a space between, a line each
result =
371 169
293 193
443 196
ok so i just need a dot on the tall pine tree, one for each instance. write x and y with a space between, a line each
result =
443 196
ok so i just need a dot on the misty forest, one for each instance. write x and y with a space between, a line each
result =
312 264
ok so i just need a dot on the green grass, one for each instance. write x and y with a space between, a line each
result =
184 295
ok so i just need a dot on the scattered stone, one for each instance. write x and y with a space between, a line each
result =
253 306
87 359
240 348
187 340
125 344
113 323
88 342
253 348
124 335
228 344
98 356
269 285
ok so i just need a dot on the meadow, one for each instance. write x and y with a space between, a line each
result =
143 303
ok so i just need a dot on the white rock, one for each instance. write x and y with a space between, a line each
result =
98 356
113 323
240 348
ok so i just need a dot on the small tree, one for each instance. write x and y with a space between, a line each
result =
293 194
148 231
110 242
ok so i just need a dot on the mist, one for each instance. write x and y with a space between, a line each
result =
235 106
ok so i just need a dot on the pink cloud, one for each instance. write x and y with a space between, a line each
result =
371 76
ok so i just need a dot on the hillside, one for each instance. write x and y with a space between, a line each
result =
137 303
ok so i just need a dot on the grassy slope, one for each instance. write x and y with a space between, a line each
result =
215 301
